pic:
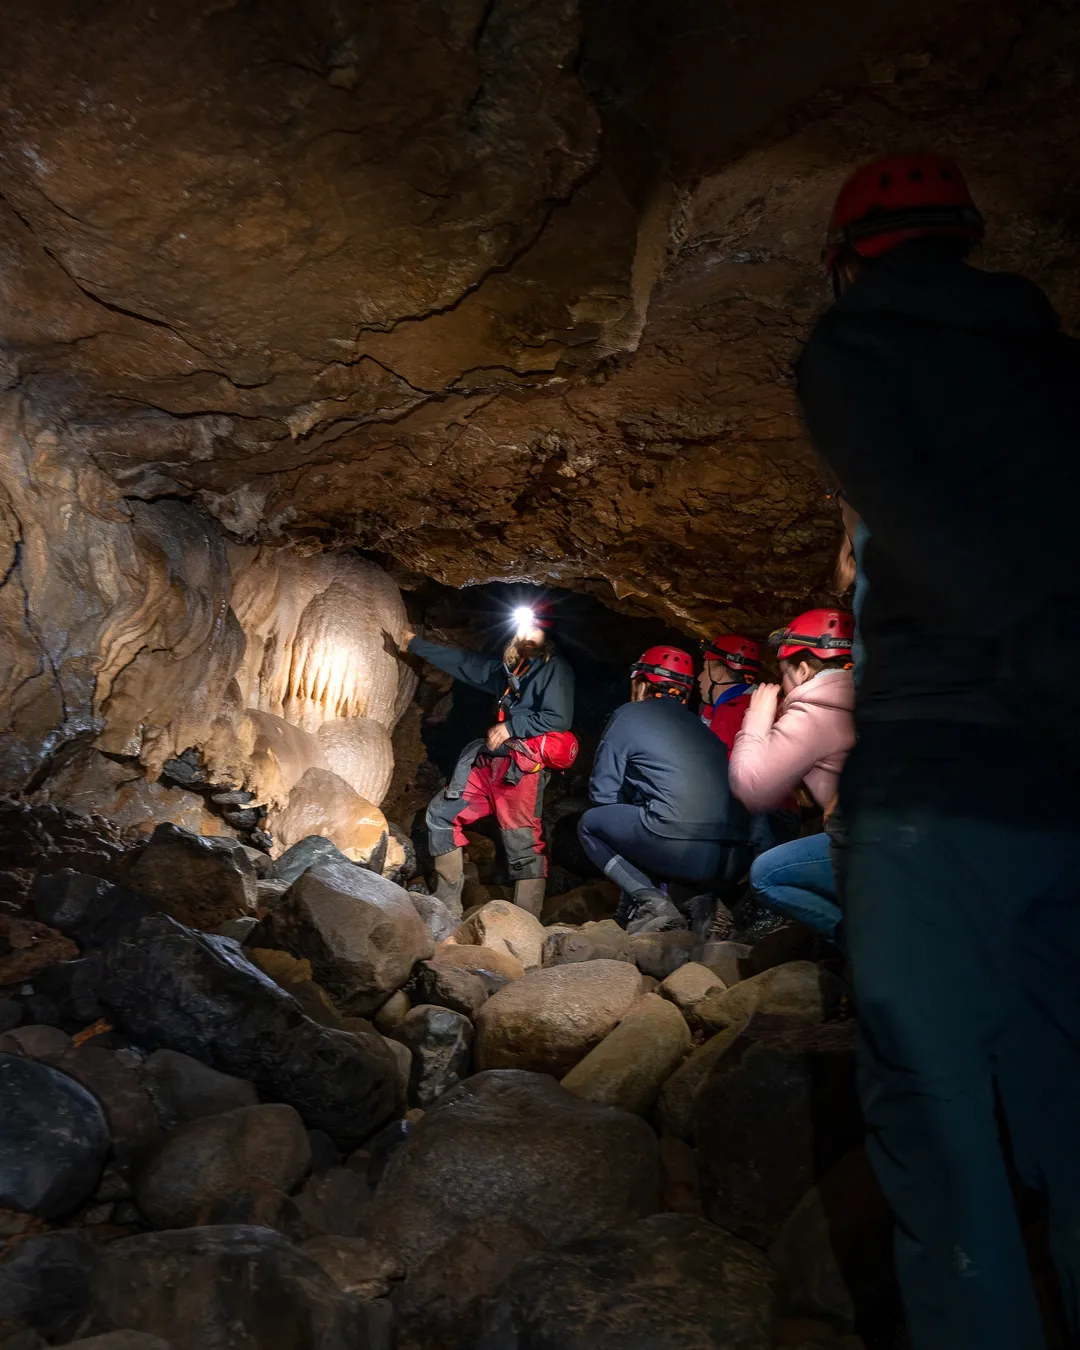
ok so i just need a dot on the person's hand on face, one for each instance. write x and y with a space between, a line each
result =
498 735
765 698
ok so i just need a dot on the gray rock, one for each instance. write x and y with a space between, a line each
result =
238 929
669 1282
45 1281
198 881
173 988
360 932
53 1139
183 1088
441 1045
314 851
229 1286
446 986
517 1145
72 987
206 1160
114 1079
436 916
83 907
661 954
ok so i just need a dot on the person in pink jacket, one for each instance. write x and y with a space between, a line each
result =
806 741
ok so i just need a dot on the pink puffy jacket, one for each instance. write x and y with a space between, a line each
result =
808 743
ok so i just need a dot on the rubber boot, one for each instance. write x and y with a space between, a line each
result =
654 913
529 894
450 870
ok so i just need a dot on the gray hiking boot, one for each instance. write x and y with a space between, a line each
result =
654 913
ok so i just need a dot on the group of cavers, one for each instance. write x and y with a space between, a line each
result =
944 402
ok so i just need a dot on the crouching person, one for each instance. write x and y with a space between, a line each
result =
505 773
663 808
806 743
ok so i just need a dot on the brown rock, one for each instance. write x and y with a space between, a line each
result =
361 933
725 959
603 941
199 882
584 904
118 1086
359 1266
392 1011
679 1095
687 986
682 1187
552 1018
658 954
507 928
514 1145
322 803
630 1065
39 1042
31 948
482 961
799 989
448 986
336 1201
207 1160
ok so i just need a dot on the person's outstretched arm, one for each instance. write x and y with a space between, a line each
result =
482 672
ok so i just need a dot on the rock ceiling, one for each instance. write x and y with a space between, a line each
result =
489 288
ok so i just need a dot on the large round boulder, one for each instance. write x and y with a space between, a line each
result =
360 932
630 1065
54 1139
506 927
518 1146
553 1017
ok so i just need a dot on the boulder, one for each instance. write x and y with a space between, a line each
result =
784 1109
230 1285
726 959
38 1042
54 1139
27 947
668 1282
630 1065
183 1088
392 1011
680 1093
197 881
84 907
593 901
552 1018
436 916
688 985
506 927
403 1056
338 1201
448 986
357 1265
314 851
833 1255
259 1204
516 1145
799 989
121 1340
322 803
439 1304
114 1079
361 933
658 954
206 1160
440 1042
682 1185
45 1281
176 989
494 968
603 941
71 988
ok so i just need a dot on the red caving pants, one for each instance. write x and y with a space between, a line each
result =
517 806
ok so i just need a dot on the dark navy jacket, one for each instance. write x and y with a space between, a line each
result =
947 402
544 700
659 755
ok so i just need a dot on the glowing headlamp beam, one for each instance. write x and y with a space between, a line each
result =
524 620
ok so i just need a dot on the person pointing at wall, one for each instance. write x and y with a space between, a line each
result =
505 773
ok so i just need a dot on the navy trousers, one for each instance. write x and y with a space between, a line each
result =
964 938
622 846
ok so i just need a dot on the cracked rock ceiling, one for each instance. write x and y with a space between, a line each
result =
491 288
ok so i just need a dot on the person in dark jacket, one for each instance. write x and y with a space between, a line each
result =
660 788
534 686
946 402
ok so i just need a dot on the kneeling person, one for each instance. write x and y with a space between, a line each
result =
505 773
660 785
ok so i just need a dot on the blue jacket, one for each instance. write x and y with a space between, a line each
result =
544 697
659 755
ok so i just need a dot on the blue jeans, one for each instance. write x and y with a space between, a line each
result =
964 939
797 880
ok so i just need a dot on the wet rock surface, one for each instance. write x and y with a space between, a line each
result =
181 990
183 1088
440 1042
54 1139
669 1282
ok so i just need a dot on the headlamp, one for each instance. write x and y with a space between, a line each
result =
524 620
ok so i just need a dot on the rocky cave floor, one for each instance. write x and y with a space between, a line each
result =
294 1104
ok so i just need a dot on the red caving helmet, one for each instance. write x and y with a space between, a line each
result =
741 655
666 666
897 198
825 633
